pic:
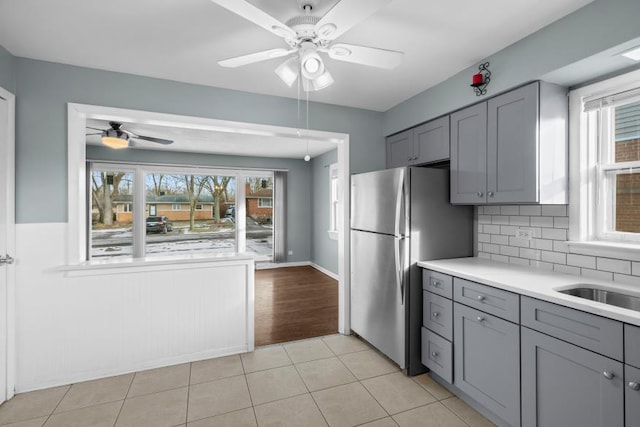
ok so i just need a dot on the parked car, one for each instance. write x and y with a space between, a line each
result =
159 224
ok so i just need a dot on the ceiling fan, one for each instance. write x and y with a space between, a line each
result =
116 137
307 35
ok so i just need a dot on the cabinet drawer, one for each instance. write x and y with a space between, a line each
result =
437 314
585 330
437 354
437 283
494 301
632 345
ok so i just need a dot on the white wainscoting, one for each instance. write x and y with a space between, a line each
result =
71 329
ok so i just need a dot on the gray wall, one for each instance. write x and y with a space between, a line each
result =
299 218
324 251
586 32
43 90
7 70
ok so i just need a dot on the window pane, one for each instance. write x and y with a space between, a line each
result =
189 214
259 208
627 132
627 206
111 214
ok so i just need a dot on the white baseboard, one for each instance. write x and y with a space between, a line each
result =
325 271
268 265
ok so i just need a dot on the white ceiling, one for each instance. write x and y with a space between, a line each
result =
182 40
222 139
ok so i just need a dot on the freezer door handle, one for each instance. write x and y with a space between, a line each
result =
399 255
400 205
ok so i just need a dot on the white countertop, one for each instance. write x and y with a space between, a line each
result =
537 284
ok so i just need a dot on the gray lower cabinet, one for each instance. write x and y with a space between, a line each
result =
565 385
632 396
486 365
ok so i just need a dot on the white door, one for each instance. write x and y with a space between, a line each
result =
7 223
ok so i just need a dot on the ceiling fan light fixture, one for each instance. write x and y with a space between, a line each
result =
323 81
288 71
115 142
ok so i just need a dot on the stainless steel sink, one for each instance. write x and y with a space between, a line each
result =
605 296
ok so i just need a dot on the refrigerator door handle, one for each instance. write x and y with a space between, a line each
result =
399 255
399 203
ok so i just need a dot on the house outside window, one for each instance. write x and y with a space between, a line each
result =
605 164
176 207
265 203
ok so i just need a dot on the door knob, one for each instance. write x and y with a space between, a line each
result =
435 314
608 375
633 385
480 319
490 193
480 194
6 260
434 354
480 298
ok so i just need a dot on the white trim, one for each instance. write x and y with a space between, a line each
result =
582 171
619 250
77 115
325 271
11 242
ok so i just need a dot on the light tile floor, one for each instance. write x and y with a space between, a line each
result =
334 380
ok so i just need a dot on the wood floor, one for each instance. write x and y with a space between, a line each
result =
293 303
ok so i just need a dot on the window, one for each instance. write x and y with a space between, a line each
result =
188 211
265 203
605 153
333 201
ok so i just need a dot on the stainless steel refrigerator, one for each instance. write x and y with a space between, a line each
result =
399 217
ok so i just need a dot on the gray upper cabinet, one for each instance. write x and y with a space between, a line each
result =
486 365
469 155
518 154
565 385
426 143
400 149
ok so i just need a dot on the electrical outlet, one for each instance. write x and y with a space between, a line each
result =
290 252
524 233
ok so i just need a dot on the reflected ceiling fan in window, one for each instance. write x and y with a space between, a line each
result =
308 35
116 137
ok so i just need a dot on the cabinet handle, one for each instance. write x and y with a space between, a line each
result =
434 354
435 283
480 319
633 385
490 193
480 298
480 194
608 375
435 314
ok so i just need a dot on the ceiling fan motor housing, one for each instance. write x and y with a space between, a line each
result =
304 26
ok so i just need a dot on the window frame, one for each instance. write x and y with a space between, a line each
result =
140 170
587 228
265 206
334 200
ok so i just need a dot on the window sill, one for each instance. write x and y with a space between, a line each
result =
333 235
138 265
620 250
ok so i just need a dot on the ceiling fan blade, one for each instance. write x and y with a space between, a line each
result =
99 133
371 56
251 58
257 16
89 127
152 139
345 15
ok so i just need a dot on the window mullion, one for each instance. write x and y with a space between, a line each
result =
139 214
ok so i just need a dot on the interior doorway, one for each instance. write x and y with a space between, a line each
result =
7 242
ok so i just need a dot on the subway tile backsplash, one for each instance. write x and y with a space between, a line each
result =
547 248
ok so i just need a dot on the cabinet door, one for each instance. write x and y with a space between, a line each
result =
486 364
632 396
431 141
400 149
565 385
469 155
512 146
